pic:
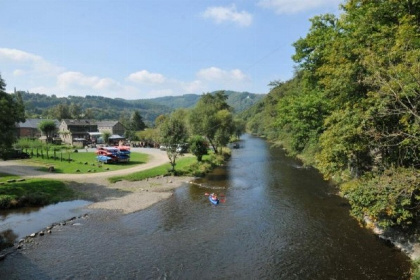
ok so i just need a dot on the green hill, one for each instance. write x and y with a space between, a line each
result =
104 108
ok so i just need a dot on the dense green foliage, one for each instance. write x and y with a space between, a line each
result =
212 118
11 112
102 108
352 109
198 146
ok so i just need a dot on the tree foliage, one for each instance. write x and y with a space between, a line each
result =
173 132
47 127
352 108
213 119
136 122
198 146
12 111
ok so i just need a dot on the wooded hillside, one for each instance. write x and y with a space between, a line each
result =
352 109
103 108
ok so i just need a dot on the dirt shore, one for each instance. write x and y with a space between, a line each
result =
125 196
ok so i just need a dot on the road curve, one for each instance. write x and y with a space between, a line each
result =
18 167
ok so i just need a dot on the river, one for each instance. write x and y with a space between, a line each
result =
276 220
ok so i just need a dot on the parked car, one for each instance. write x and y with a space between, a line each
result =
162 147
182 148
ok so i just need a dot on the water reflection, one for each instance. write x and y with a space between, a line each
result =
25 221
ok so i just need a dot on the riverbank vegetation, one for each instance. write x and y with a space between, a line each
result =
352 108
185 166
16 192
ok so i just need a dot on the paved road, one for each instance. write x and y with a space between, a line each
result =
19 167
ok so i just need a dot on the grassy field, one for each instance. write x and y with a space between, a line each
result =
16 192
182 167
83 162
185 166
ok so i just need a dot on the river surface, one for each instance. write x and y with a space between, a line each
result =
276 220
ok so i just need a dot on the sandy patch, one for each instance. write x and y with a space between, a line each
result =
140 194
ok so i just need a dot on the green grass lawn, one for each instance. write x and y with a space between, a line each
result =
15 192
186 166
83 162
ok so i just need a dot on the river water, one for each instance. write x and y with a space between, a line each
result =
276 220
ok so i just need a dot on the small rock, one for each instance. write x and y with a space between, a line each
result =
32 235
41 233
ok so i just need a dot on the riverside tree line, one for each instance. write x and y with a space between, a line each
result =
352 107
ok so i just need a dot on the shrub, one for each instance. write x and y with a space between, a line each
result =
7 201
389 199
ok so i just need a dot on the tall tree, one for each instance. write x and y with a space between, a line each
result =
11 112
173 132
136 122
212 119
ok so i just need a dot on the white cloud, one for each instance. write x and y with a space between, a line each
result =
18 55
146 77
217 74
223 14
31 62
193 87
27 71
76 80
294 6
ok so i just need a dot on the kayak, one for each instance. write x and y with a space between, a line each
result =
214 201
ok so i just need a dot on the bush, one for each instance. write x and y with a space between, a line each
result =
7 201
389 199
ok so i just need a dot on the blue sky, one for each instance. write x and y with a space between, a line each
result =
137 49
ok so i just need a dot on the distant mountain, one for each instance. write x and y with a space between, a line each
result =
240 101
103 108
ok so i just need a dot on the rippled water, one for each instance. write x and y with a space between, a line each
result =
278 221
